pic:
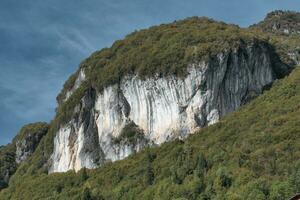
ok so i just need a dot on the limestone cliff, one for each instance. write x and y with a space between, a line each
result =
163 108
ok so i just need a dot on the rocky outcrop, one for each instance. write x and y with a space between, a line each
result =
80 77
295 56
8 165
162 108
284 27
22 147
281 22
77 143
28 140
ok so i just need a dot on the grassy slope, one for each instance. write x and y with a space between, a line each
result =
251 154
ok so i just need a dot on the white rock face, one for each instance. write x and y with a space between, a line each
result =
80 78
166 107
163 107
295 56
67 151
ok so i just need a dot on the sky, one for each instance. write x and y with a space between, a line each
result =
42 42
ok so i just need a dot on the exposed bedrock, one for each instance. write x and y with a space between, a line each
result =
162 108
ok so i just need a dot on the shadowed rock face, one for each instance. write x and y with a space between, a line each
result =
295 56
26 145
163 108
22 147
8 165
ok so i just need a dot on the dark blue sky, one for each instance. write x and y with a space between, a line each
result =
43 41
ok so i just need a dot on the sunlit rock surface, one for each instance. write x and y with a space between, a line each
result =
163 107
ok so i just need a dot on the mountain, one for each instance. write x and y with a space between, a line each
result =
163 108
161 85
250 154
168 81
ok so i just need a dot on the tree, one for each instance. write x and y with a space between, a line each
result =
281 190
149 176
224 178
295 178
175 178
3 184
83 175
201 166
257 189
86 195
257 195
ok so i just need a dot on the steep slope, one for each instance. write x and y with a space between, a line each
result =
185 70
164 108
165 82
22 147
8 164
283 28
156 85
250 154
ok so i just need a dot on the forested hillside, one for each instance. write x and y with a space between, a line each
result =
251 154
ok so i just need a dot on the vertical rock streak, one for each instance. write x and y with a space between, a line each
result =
163 107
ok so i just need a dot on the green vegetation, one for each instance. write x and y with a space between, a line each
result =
8 165
38 130
276 25
37 163
280 21
131 134
162 50
285 45
250 154
68 85
165 49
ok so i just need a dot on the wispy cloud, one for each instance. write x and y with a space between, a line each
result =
74 39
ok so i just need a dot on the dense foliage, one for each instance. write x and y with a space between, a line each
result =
38 129
8 165
131 134
250 154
